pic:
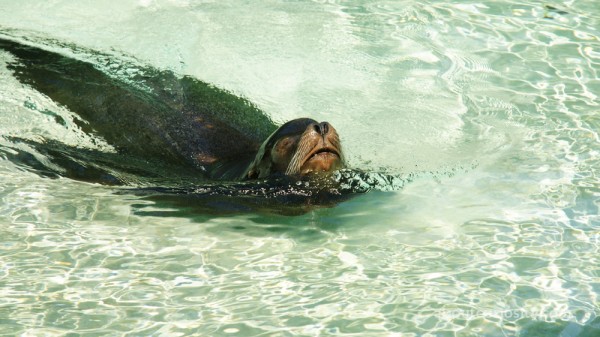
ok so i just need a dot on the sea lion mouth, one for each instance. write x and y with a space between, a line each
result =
324 151
321 159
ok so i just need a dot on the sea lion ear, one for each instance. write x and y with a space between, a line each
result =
261 165
260 168
251 174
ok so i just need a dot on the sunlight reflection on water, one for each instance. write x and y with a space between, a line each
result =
508 247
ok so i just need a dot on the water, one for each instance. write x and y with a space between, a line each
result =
508 246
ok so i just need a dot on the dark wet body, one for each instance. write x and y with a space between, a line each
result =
173 121
178 140
179 122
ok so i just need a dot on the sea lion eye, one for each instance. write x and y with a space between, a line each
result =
282 152
284 144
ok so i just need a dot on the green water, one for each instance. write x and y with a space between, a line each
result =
507 247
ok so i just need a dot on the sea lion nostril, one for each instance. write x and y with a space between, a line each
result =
324 128
317 128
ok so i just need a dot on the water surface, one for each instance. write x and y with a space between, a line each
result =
508 246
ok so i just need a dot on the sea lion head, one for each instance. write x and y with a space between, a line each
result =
299 147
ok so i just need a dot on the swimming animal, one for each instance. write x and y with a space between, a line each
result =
165 127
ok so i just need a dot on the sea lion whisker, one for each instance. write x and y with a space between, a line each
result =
301 152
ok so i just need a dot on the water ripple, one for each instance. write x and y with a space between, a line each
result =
506 247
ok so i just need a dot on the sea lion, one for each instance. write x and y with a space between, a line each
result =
167 126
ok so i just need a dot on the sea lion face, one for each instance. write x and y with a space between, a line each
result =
298 147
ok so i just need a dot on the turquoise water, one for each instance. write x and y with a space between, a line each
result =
507 247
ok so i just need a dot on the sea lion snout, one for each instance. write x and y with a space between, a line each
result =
319 150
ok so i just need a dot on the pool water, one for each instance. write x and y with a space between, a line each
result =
499 96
